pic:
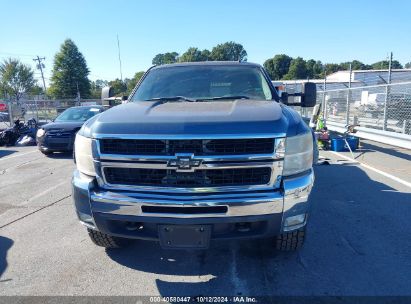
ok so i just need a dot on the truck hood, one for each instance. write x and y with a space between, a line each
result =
147 118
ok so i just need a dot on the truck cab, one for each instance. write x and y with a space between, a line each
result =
201 151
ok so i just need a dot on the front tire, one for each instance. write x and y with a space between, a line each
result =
105 240
291 241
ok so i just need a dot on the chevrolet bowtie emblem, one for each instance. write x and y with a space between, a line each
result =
184 162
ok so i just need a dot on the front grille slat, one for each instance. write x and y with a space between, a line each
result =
196 146
199 178
133 146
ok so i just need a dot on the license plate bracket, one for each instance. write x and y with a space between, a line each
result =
184 236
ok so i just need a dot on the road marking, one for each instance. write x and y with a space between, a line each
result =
390 176
6 158
44 192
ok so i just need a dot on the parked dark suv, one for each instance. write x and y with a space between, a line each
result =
58 136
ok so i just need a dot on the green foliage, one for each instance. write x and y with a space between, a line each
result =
16 78
96 87
229 51
332 68
384 64
69 71
133 81
165 58
194 54
355 65
119 87
298 69
407 65
278 66
206 54
36 90
315 69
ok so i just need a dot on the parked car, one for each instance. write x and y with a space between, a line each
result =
200 152
3 106
4 117
58 136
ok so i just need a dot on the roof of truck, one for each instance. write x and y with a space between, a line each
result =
202 63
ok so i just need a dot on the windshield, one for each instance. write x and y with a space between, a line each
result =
78 114
204 82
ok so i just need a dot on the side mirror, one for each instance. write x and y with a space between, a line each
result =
107 92
284 97
309 95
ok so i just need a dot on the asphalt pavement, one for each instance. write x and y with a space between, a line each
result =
357 244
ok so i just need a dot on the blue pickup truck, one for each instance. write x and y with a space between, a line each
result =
201 151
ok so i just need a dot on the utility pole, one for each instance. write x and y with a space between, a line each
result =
119 59
40 66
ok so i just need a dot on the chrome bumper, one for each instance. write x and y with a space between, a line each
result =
290 200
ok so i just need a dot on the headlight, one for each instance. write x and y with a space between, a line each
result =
84 155
40 132
298 154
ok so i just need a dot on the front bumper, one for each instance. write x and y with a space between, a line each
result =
245 215
47 144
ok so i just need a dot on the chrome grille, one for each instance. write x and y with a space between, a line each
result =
199 178
189 165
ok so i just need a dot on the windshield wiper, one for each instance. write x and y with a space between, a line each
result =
172 98
225 97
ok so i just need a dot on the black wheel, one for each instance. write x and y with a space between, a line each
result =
291 241
47 152
105 240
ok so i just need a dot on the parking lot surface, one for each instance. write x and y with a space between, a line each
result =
358 238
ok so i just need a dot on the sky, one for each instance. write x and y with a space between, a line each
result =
330 31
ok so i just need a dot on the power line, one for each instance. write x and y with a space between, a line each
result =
16 54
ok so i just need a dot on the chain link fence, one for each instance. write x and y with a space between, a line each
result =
43 111
382 107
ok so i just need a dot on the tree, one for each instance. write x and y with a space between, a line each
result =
96 87
407 65
278 66
36 90
165 58
298 69
133 81
70 72
16 78
331 68
194 54
355 65
206 54
229 51
384 64
314 69
119 86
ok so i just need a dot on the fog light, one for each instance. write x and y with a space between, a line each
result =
294 220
